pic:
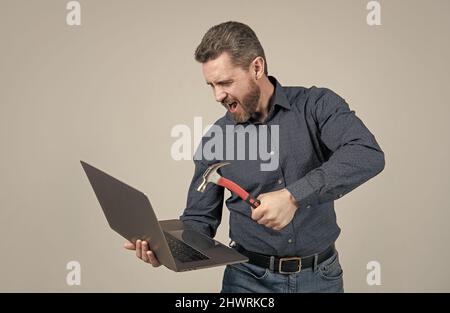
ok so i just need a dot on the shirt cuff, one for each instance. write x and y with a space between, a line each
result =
304 193
198 226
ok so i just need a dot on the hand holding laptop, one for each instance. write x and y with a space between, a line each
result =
170 242
143 252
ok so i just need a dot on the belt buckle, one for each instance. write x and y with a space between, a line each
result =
290 259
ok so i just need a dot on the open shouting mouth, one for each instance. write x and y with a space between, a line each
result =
232 107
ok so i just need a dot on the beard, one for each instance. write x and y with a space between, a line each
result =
249 105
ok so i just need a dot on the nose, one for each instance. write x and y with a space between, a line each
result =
219 94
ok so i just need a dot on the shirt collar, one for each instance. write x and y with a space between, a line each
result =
278 98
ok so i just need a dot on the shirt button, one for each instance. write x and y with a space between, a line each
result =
272 152
308 206
290 240
280 181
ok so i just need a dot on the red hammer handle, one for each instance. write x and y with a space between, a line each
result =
233 187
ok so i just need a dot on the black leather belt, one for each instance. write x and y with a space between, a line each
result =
285 265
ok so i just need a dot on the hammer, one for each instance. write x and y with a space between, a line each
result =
212 176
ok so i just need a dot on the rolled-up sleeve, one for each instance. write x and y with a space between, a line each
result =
203 210
356 156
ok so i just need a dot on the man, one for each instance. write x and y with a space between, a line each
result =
323 151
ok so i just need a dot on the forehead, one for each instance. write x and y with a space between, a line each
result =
220 69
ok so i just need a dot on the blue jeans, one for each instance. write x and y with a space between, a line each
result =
245 277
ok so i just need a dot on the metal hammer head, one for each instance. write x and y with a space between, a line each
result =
211 175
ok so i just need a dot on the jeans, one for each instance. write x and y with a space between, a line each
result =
245 277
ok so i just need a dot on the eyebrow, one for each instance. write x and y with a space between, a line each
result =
220 82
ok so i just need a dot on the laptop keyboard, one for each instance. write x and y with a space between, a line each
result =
183 252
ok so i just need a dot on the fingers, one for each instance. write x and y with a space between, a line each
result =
258 213
271 223
144 251
276 226
152 259
267 220
138 248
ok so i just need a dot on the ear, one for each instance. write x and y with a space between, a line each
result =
258 65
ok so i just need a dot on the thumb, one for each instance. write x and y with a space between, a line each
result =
130 246
257 213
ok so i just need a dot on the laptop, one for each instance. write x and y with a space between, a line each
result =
130 213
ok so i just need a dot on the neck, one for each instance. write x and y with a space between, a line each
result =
267 90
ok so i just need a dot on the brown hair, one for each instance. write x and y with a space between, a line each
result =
235 38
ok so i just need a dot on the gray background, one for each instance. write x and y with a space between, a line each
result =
110 91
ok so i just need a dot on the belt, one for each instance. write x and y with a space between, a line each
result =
285 265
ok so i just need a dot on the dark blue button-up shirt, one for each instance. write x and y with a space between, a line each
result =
319 150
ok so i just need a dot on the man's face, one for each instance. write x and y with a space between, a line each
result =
233 86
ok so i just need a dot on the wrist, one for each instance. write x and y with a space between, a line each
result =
290 197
